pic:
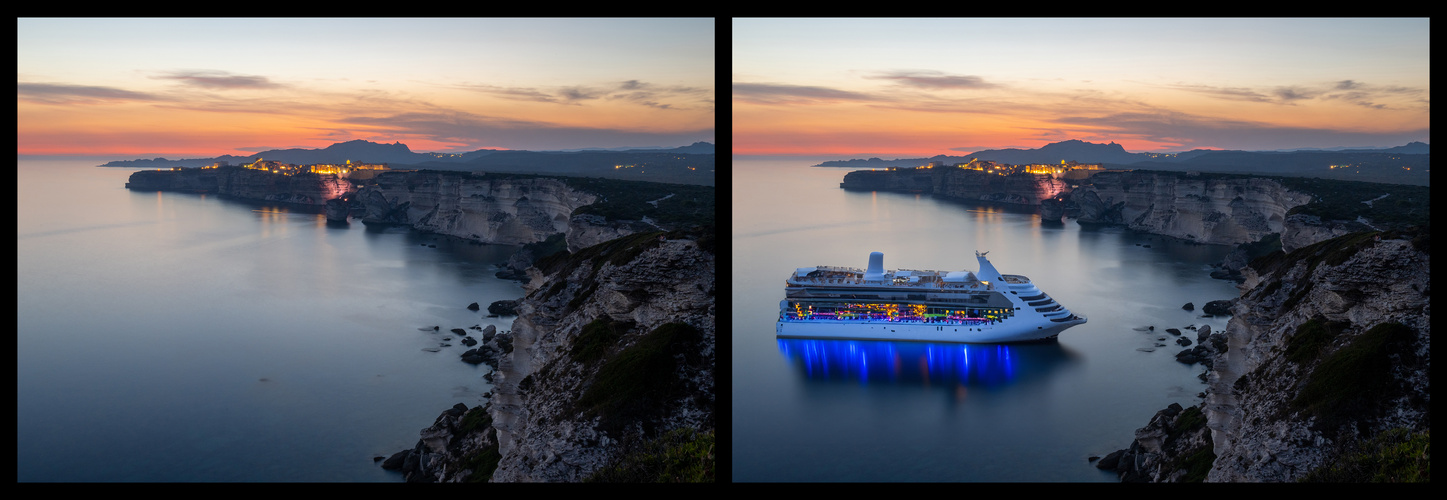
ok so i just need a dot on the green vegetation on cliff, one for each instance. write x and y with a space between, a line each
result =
619 251
1311 338
1392 456
641 378
679 456
484 462
677 205
1392 205
1348 382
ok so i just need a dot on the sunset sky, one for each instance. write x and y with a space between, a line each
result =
206 87
922 87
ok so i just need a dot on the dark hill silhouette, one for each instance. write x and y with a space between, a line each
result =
692 164
358 151
1407 164
1071 150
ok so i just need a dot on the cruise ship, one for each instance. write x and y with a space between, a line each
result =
931 306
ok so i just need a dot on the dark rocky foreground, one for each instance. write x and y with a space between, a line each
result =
1322 373
609 361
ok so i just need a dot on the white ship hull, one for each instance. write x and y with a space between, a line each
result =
864 330
925 306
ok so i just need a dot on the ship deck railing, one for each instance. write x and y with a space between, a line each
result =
977 285
818 317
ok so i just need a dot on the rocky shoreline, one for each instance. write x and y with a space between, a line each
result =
612 352
488 351
1327 350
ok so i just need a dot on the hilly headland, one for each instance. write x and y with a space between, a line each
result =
1406 164
692 164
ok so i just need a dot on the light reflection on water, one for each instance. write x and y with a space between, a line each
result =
924 364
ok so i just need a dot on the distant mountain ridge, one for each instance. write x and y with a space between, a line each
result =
692 164
371 152
1089 152
1407 164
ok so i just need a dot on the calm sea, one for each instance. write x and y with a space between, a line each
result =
183 337
810 410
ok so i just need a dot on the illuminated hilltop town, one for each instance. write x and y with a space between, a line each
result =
348 169
1065 170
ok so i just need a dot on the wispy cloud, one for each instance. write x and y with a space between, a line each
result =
775 93
654 96
1351 91
934 80
65 94
1189 131
470 128
219 80
1372 96
341 114
634 91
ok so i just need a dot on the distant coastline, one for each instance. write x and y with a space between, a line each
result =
692 164
1407 164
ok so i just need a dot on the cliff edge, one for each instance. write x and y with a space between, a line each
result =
612 354
1324 363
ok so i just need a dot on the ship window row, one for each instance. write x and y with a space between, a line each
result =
971 299
856 311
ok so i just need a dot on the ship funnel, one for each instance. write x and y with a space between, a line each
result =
876 267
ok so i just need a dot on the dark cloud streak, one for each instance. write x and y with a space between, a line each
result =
219 80
634 91
1202 132
59 93
484 131
935 80
772 93
1350 91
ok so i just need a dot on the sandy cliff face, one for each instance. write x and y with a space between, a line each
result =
1203 209
488 208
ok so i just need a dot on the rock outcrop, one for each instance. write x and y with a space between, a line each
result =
187 180
247 184
613 348
586 230
1206 209
1301 230
1327 348
491 208
961 184
905 180
977 186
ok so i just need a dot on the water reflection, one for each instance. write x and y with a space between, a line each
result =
924 363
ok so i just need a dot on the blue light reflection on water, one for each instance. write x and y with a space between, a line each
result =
921 363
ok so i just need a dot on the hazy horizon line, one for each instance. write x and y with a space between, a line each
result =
187 156
897 156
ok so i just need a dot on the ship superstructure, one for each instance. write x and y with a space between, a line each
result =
904 304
